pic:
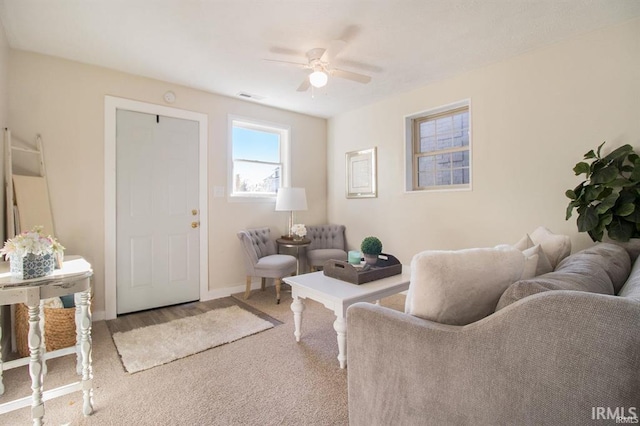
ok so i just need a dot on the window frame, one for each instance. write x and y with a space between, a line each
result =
284 132
412 145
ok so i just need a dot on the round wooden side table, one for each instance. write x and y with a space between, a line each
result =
297 244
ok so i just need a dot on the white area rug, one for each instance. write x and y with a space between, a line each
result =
159 344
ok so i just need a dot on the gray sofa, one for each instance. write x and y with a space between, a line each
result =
562 348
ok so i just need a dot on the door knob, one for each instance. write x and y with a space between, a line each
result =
195 224
194 212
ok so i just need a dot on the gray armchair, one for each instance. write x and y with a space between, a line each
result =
261 259
327 242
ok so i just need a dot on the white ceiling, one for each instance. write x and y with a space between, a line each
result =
219 45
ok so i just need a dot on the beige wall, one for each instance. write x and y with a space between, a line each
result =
4 122
533 118
4 111
64 102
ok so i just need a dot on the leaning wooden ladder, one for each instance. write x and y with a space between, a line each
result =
31 206
27 201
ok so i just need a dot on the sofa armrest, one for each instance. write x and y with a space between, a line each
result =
547 359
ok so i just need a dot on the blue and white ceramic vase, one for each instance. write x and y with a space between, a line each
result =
31 266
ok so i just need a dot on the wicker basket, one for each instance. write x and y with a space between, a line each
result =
59 328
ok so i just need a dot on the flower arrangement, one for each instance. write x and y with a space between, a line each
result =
31 242
299 230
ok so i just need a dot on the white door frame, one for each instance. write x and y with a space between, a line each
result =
111 104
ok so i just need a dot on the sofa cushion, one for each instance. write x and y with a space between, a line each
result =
555 246
602 268
460 287
631 287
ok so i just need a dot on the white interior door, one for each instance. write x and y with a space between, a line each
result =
157 245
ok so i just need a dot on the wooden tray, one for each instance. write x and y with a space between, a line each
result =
386 266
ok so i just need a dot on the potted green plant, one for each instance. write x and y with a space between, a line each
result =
609 198
371 247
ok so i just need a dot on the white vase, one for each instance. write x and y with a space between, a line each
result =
370 259
31 266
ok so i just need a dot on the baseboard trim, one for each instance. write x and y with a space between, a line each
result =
217 293
238 288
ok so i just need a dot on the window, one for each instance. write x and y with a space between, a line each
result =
440 156
258 158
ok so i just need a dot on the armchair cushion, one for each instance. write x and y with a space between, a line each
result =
275 266
327 242
319 256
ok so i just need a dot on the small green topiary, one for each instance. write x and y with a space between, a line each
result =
371 245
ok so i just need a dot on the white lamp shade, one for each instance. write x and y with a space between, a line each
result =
291 199
318 78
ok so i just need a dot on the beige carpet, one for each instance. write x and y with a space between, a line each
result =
159 344
264 379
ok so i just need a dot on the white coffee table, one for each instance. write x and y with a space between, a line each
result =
338 295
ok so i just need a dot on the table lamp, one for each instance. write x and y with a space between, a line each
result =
291 199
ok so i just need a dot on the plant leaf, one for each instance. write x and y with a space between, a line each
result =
635 174
600 147
634 217
625 209
607 204
570 194
606 219
579 190
587 220
620 230
617 153
626 196
622 183
605 175
596 235
570 208
590 155
581 168
592 193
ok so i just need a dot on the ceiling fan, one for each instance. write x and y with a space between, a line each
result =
319 65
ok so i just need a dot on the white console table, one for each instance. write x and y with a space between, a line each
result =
73 278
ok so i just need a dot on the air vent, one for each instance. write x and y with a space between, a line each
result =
250 96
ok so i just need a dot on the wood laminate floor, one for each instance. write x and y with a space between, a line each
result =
149 317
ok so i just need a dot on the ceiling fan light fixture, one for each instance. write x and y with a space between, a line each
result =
318 79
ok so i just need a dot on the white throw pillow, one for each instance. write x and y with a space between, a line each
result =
555 246
542 262
460 287
524 243
530 263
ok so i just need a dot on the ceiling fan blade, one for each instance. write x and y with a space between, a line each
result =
304 86
332 51
299 64
360 78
